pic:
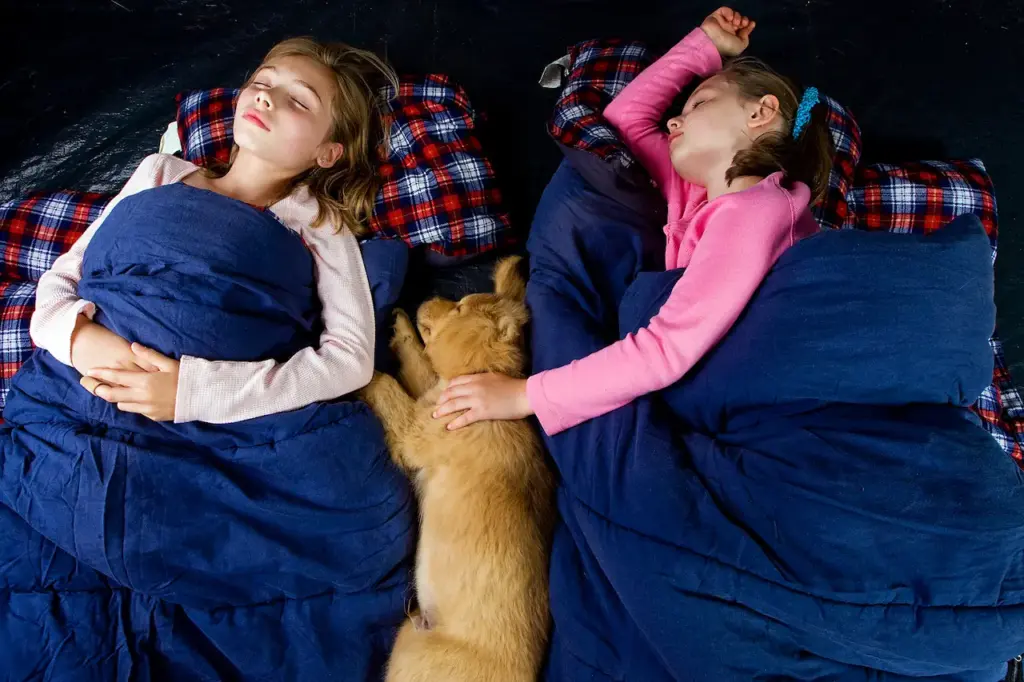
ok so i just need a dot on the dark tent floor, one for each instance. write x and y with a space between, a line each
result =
88 87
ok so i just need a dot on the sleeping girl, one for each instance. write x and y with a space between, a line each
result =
739 167
306 132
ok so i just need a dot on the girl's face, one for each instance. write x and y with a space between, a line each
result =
284 116
715 124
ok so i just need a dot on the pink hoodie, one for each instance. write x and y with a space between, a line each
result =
727 247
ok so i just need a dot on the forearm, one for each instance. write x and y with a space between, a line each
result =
223 392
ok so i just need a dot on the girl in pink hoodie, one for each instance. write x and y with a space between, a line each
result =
739 167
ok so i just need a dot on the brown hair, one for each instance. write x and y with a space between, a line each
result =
346 191
808 158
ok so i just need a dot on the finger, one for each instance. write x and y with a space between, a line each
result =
464 419
158 360
452 406
464 379
134 408
453 392
725 13
118 394
745 32
89 384
119 377
144 365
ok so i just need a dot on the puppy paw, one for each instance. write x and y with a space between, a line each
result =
405 331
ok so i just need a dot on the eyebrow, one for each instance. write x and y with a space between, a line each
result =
299 81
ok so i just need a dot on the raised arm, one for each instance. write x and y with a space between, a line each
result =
637 111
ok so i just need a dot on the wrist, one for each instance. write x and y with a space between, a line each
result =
524 398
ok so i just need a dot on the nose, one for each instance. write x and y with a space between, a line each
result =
674 124
263 99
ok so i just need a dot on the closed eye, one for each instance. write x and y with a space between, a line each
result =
300 104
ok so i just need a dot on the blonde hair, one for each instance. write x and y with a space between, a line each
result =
807 158
346 191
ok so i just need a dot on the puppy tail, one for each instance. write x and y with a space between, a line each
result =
431 656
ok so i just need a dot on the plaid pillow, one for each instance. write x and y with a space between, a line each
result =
40 227
439 190
911 197
1001 408
922 196
834 211
17 301
598 71
205 119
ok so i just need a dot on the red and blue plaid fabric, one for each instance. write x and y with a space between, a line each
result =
35 230
438 191
834 211
205 119
910 197
599 70
17 301
922 196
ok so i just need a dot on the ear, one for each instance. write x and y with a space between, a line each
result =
511 322
508 283
763 113
329 153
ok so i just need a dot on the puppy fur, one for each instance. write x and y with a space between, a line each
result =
485 495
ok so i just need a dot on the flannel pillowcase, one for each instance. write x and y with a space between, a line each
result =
922 196
598 71
1001 408
43 225
833 211
439 189
17 301
34 231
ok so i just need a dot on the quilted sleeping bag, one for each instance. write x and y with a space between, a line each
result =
274 548
814 501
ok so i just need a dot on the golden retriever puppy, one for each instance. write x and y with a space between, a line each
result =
485 495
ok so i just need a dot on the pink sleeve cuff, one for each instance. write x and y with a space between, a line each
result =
550 420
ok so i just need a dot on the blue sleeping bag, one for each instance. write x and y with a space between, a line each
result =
814 501
275 548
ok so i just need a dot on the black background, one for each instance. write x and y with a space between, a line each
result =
86 88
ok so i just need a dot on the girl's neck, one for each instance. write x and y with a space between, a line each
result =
720 186
254 181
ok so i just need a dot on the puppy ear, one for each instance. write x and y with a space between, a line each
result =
507 280
511 322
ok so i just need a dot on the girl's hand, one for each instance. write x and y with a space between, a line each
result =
151 393
94 346
729 31
483 396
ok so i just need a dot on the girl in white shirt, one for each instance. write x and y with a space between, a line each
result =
306 130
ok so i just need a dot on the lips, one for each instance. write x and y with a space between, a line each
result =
674 136
254 118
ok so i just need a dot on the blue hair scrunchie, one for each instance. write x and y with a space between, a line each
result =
803 112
